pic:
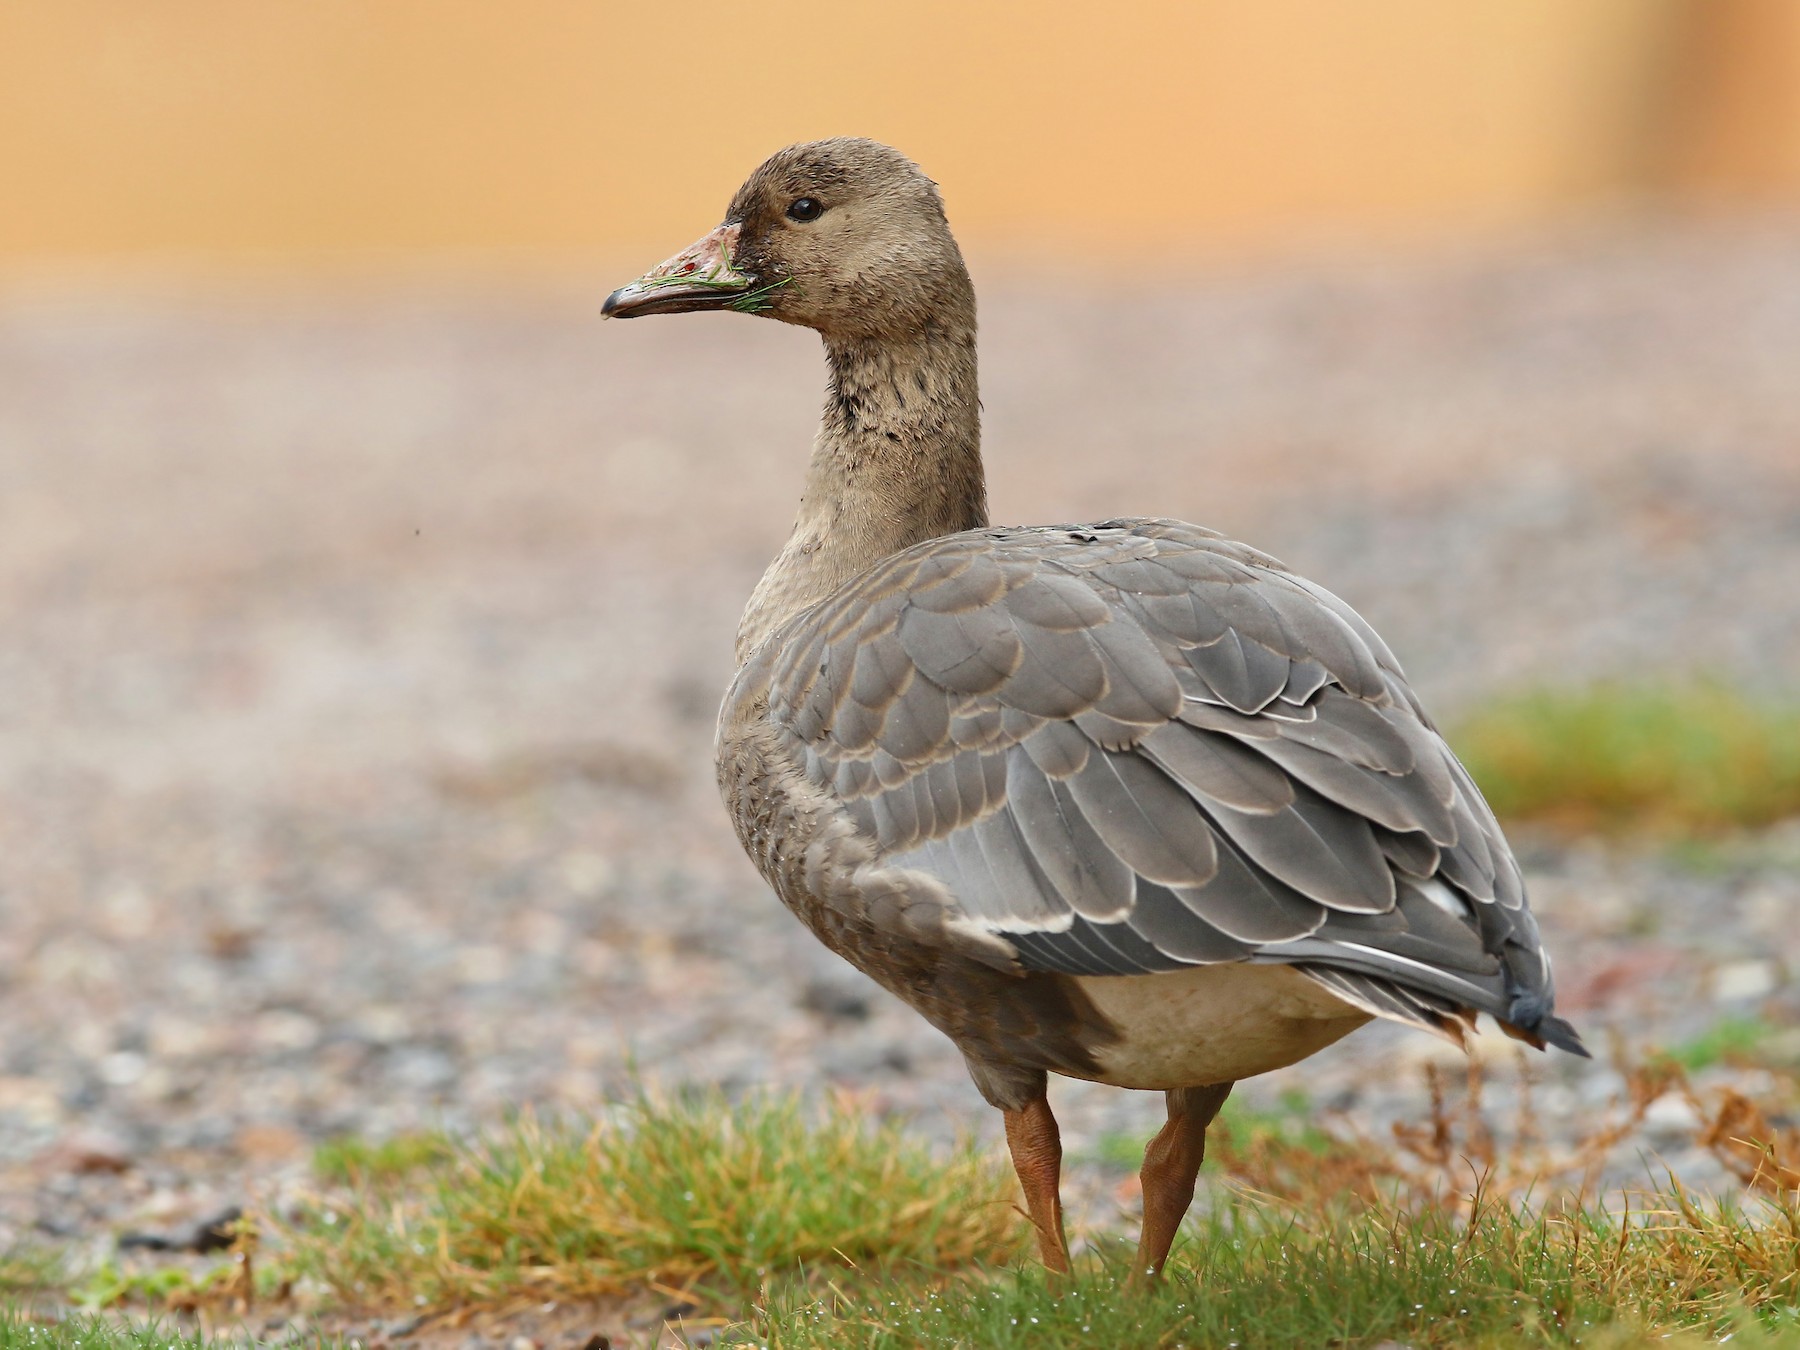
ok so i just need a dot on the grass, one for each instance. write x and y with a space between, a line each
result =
1690 759
663 1191
818 1228
1334 1240
18 1332
757 301
1240 1128
1732 1039
1501 1275
175 1288
353 1161
26 1270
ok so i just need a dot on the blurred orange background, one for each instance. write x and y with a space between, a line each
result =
196 132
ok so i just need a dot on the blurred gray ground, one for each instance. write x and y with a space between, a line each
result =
359 653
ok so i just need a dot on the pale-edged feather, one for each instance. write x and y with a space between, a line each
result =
1321 850
1091 878
1144 819
1173 927
966 653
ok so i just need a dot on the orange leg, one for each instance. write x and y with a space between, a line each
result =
1036 1147
1171 1162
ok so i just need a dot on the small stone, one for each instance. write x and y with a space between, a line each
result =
1742 981
483 964
228 942
269 1143
285 1029
91 1150
835 1001
33 1099
1671 1117
384 1024
122 1068
588 874
1781 1048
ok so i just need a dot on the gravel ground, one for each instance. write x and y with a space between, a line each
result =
359 653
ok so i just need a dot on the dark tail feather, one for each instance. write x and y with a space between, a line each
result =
1530 1015
1557 1032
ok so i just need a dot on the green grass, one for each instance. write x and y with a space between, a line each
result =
1734 1039
1242 1126
1253 1275
26 1270
111 1284
671 1191
18 1332
757 301
1679 759
1239 1128
816 1229
812 1228
725 277
350 1160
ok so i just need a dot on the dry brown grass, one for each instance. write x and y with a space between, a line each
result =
666 1192
1454 1147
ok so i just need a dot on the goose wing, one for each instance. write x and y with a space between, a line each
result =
1137 746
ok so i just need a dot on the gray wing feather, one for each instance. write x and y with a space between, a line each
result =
1093 880
962 653
1145 819
1136 747
1410 851
1163 920
1219 770
1321 850
1249 905
1397 1002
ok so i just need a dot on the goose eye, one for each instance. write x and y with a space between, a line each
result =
805 208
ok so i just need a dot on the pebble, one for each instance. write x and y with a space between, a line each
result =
92 1150
1743 981
1671 1117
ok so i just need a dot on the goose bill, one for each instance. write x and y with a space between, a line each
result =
701 276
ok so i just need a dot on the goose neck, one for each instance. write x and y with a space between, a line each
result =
897 461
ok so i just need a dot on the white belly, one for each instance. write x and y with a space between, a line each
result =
1213 1024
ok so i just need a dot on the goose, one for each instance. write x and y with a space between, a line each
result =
1127 801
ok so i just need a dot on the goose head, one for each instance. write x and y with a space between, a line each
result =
844 236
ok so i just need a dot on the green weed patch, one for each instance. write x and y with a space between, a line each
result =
1682 759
